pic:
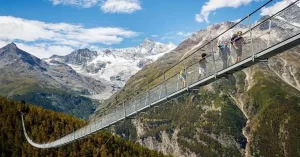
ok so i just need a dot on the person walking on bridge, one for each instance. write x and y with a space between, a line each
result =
224 53
237 42
182 76
202 65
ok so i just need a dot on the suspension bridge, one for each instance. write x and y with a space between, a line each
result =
263 42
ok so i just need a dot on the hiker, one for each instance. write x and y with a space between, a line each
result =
224 53
182 76
237 41
202 66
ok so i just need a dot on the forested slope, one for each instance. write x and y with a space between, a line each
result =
45 125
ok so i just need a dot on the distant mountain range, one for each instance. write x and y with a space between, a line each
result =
115 66
65 83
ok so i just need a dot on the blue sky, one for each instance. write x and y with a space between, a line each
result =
46 27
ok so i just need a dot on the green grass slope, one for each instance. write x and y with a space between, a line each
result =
274 107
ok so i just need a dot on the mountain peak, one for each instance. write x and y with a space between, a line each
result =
83 52
148 41
85 49
11 46
107 52
80 56
11 52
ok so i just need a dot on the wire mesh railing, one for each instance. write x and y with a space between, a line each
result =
256 37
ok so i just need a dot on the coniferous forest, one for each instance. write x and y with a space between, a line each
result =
45 125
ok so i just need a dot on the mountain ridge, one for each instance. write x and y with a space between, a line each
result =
12 52
114 65
53 85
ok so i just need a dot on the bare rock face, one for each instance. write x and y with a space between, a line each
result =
80 57
95 67
286 66
168 144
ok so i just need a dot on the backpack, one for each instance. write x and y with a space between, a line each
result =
182 74
234 36
221 46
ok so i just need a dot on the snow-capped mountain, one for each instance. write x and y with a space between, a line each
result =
114 65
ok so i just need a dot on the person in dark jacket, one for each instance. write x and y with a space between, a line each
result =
224 53
237 42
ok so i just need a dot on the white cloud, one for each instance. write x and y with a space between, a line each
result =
59 37
107 6
154 36
213 5
179 33
237 20
120 6
276 7
45 50
178 36
185 34
27 30
79 3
